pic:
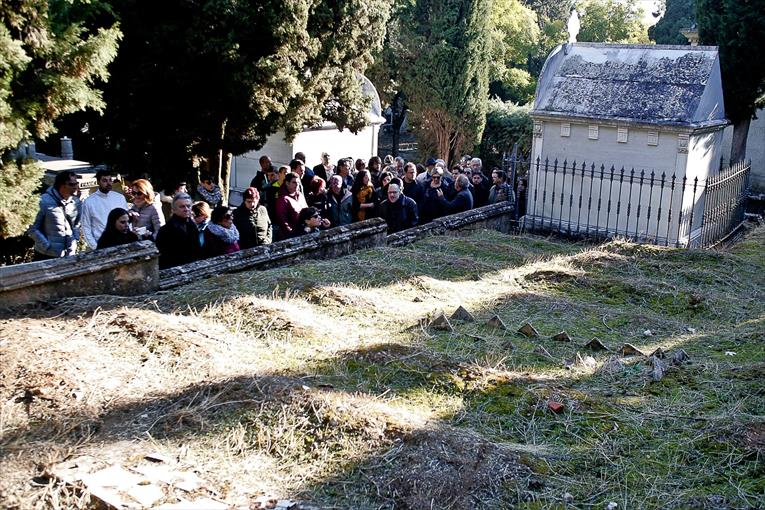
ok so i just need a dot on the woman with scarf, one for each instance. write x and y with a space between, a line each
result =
221 235
209 191
363 197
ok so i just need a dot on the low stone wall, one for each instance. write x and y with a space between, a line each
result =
490 217
125 270
328 244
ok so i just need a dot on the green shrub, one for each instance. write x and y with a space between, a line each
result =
506 124
19 181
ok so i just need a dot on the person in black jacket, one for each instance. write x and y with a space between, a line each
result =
178 239
399 211
463 201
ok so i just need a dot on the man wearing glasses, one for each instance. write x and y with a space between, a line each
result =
96 208
56 229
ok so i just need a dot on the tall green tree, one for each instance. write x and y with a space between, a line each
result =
515 38
678 15
612 21
53 57
448 47
737 27
208 79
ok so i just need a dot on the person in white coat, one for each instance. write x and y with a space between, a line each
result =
96 208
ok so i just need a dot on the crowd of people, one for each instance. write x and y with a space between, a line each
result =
280 203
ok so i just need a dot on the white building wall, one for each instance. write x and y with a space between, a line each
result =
312 143
618 196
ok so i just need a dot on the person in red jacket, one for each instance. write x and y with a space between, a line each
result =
289 203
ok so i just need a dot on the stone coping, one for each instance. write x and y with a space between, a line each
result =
53 270
331 242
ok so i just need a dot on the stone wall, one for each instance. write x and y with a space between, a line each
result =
491 217
126 270
328 244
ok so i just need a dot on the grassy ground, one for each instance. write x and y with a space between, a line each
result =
324 382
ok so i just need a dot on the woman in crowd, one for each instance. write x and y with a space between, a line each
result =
117 230
363 197
252 221
309 222
145 216
317 194
221 235
339 203
200 213
209 191
288 205
381 193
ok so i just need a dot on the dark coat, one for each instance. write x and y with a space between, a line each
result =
339 212
254 226
399 215
414 190
178 242
112 237
462 202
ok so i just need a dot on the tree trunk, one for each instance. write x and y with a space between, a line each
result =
398 112
223 163
738 145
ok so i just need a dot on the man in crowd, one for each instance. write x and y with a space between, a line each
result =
260 181
412 188
56 229
96 208
344 171
463 200
297 166
501 191
178 239
399 211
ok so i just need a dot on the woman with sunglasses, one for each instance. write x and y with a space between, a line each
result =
209 191
221 235
309 222
146 217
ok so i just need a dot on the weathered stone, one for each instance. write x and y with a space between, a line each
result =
529 331
630 350
497 216
612 366
679 357
441 323
563 336
586 361
659 368
596 345
496 322
128 270
461 314
539 349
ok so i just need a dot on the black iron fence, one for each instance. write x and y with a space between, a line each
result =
585 199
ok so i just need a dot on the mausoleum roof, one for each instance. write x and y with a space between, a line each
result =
646 84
